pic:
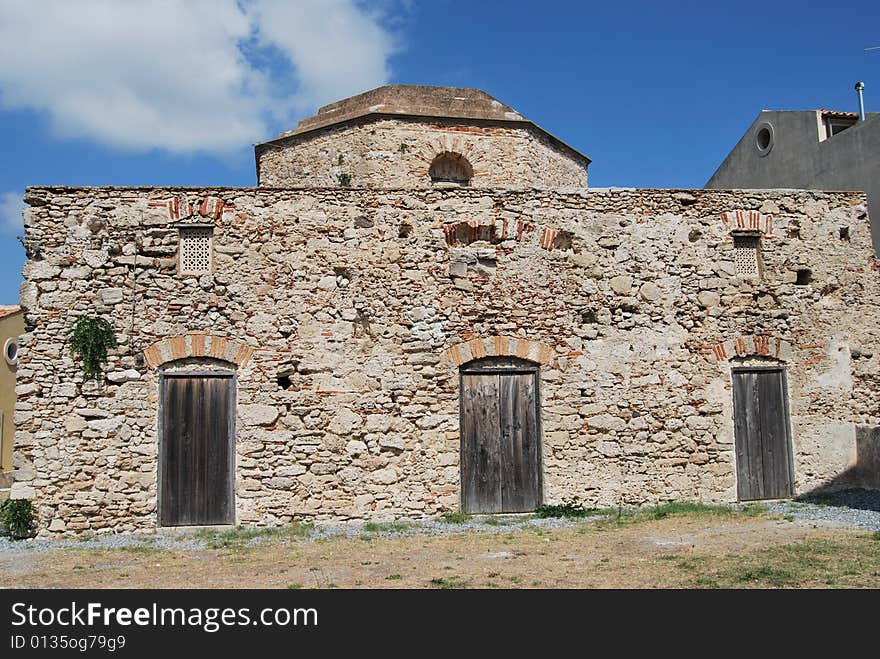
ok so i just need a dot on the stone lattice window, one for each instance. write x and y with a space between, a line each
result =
747 255
195 250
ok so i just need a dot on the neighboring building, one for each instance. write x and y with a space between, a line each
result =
812 149
11 327
425 343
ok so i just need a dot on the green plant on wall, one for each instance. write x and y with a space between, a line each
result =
344 179
90 338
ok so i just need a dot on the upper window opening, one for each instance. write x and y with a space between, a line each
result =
451 167
836 125
10 351
747 255
764 138
196 250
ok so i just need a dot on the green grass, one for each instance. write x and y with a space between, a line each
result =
813 563
387 527
456 517
394 577
143 549
765 575
448 582
627 516
241 536
696 509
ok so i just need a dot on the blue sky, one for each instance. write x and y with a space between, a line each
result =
101 92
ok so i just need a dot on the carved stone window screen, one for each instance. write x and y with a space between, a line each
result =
196 250
747 255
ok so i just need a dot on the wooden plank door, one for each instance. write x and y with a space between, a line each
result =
196 453
481 443
761 431
500 452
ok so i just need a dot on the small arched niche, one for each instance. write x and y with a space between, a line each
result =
451 167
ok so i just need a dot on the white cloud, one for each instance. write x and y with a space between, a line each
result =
185 75
11 206
335 48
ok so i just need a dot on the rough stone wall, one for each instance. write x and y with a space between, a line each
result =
346 313
395 153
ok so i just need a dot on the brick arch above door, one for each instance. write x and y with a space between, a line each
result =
756 345
499 346
198 344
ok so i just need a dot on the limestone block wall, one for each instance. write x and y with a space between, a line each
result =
346 313
395 153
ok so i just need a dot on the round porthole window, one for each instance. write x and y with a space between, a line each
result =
764 139
10 351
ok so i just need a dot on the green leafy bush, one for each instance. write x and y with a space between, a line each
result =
570 508
344 179
17 519
90 338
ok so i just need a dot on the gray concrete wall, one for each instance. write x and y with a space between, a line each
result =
847 161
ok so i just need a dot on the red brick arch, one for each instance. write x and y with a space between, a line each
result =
454 144
499 346
198 344
748 221
755 345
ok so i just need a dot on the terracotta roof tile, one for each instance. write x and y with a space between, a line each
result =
8 309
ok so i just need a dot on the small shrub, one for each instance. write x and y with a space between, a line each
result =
344 179
17 519
456 517
570 508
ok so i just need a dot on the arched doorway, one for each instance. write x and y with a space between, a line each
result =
500 421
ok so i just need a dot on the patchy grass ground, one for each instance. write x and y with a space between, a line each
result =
670 546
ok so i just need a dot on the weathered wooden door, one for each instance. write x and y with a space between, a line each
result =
761 430
500 437
196 450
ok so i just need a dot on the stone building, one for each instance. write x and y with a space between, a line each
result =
450 326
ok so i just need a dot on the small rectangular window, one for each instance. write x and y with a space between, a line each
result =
747 255
196 247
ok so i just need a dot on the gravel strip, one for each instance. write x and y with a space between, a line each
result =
855 508
172 539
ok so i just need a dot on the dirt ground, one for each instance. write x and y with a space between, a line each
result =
676 552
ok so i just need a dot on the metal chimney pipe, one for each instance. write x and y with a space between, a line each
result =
859 87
